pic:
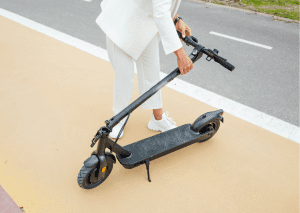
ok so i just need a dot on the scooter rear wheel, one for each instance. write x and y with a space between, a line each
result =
214 125
88 179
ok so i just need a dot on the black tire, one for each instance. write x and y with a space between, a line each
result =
212 124
87 176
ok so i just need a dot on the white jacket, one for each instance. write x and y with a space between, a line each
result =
132 24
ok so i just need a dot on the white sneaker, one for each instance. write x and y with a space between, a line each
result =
162 125
116 129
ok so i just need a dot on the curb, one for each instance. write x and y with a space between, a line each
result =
276 18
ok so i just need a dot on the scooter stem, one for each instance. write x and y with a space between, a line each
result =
116 119
194 56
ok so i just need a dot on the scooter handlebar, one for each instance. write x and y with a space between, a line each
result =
191 40
224 63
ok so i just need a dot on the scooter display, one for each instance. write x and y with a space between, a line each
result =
100 164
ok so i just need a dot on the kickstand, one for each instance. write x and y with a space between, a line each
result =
147 167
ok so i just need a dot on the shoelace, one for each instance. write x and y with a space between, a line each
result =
169 119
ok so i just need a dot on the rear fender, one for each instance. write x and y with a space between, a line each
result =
202 120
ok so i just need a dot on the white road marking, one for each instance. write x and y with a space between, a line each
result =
246 113
241 40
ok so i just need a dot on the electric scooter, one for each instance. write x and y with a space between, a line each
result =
100 164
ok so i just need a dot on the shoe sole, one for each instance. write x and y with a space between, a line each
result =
116 137
150 126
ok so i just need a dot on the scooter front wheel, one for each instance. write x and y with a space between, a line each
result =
88 177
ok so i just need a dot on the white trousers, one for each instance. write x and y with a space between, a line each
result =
148 69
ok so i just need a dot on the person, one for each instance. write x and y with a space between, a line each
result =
133 30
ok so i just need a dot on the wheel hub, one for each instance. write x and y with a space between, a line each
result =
94 177
207 128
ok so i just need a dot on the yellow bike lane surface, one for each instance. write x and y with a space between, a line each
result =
54 97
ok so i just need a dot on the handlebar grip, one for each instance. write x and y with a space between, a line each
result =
189 40
224 63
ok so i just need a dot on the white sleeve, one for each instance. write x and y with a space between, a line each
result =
166 28
103 3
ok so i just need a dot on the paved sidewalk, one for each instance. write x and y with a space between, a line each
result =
7 205
54 97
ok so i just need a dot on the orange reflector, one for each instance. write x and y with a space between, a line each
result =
104 168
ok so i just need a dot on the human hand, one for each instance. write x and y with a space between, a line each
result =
183 28
185 64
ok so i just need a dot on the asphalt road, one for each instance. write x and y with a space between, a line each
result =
264 79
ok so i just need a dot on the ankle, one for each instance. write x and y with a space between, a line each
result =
158 113
158 117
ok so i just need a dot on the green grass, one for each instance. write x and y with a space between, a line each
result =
282 13
272 2
218 3
290 11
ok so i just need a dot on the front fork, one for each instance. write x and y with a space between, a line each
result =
99 157
101 165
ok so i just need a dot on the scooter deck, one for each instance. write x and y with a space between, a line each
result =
159 145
